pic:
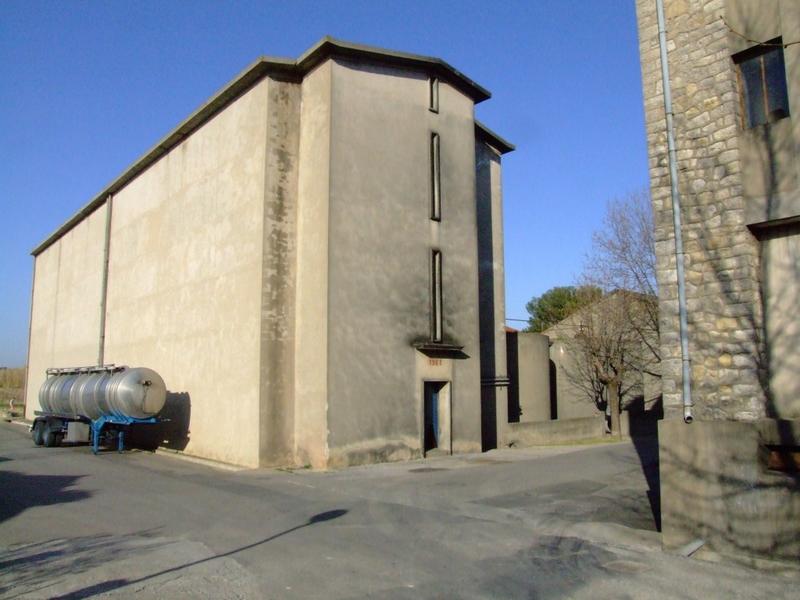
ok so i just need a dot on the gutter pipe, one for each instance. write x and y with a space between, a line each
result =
688 403
104 283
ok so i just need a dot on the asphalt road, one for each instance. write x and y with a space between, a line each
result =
545 523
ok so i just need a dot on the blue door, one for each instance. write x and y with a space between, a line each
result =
431 425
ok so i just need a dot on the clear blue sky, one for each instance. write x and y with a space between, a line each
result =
87 87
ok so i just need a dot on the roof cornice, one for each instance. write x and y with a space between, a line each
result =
279 68
490 137
329 47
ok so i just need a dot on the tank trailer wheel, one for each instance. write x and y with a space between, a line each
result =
51 438
37 433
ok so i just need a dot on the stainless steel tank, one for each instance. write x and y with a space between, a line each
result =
93 392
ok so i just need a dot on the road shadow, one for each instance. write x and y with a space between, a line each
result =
552 567
644 435
19 492
115 584
30 568
172 430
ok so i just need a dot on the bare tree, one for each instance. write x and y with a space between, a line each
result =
609 357
614 341
623 257
623 251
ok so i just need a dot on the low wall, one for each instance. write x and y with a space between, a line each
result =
560 431
716 486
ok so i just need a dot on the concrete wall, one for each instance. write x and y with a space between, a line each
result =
381 236
65 310
491 293
184 289
565 431
279 274
780 279
311 325
715 486
532 386
573 394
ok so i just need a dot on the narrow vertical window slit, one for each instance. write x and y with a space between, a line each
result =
436 179
436 296
433 94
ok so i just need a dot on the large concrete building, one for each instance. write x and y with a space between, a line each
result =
734 77
312 260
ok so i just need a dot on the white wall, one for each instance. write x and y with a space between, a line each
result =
184 288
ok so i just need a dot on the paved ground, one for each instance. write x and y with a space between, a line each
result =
546 523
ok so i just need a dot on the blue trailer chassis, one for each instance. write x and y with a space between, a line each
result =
99 424
96 426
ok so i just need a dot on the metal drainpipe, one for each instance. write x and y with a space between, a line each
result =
104 284
676 216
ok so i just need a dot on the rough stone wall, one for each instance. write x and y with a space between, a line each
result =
721 262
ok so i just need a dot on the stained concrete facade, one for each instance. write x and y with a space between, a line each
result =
271 259
739 188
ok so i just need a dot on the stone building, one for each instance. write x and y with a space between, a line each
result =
734 78
312 261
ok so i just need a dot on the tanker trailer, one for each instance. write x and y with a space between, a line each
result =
77 403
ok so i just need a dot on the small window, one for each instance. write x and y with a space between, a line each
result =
436 179
762 83
433 94
436 296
